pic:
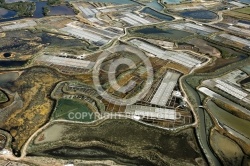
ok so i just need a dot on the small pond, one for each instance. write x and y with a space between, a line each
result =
7 54
61 10
200 14
54 10
167 33
156 14
6 14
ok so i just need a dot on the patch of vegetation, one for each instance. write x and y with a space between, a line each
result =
28 43
226 149
71 6
209 124
3 97
45 10
247 85
22 8
243 13
33 86
194 80
96 152
73 110
54 2
227 52
121 135
244 10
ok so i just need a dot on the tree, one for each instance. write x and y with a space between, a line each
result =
45 10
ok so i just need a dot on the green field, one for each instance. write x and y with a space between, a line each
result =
73 110
244 10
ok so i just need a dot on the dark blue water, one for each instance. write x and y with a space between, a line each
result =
61 10
54 10
39 9
7 54
8 14
199 14
11 19
167 33
150 31
12 63
156 14
244 21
